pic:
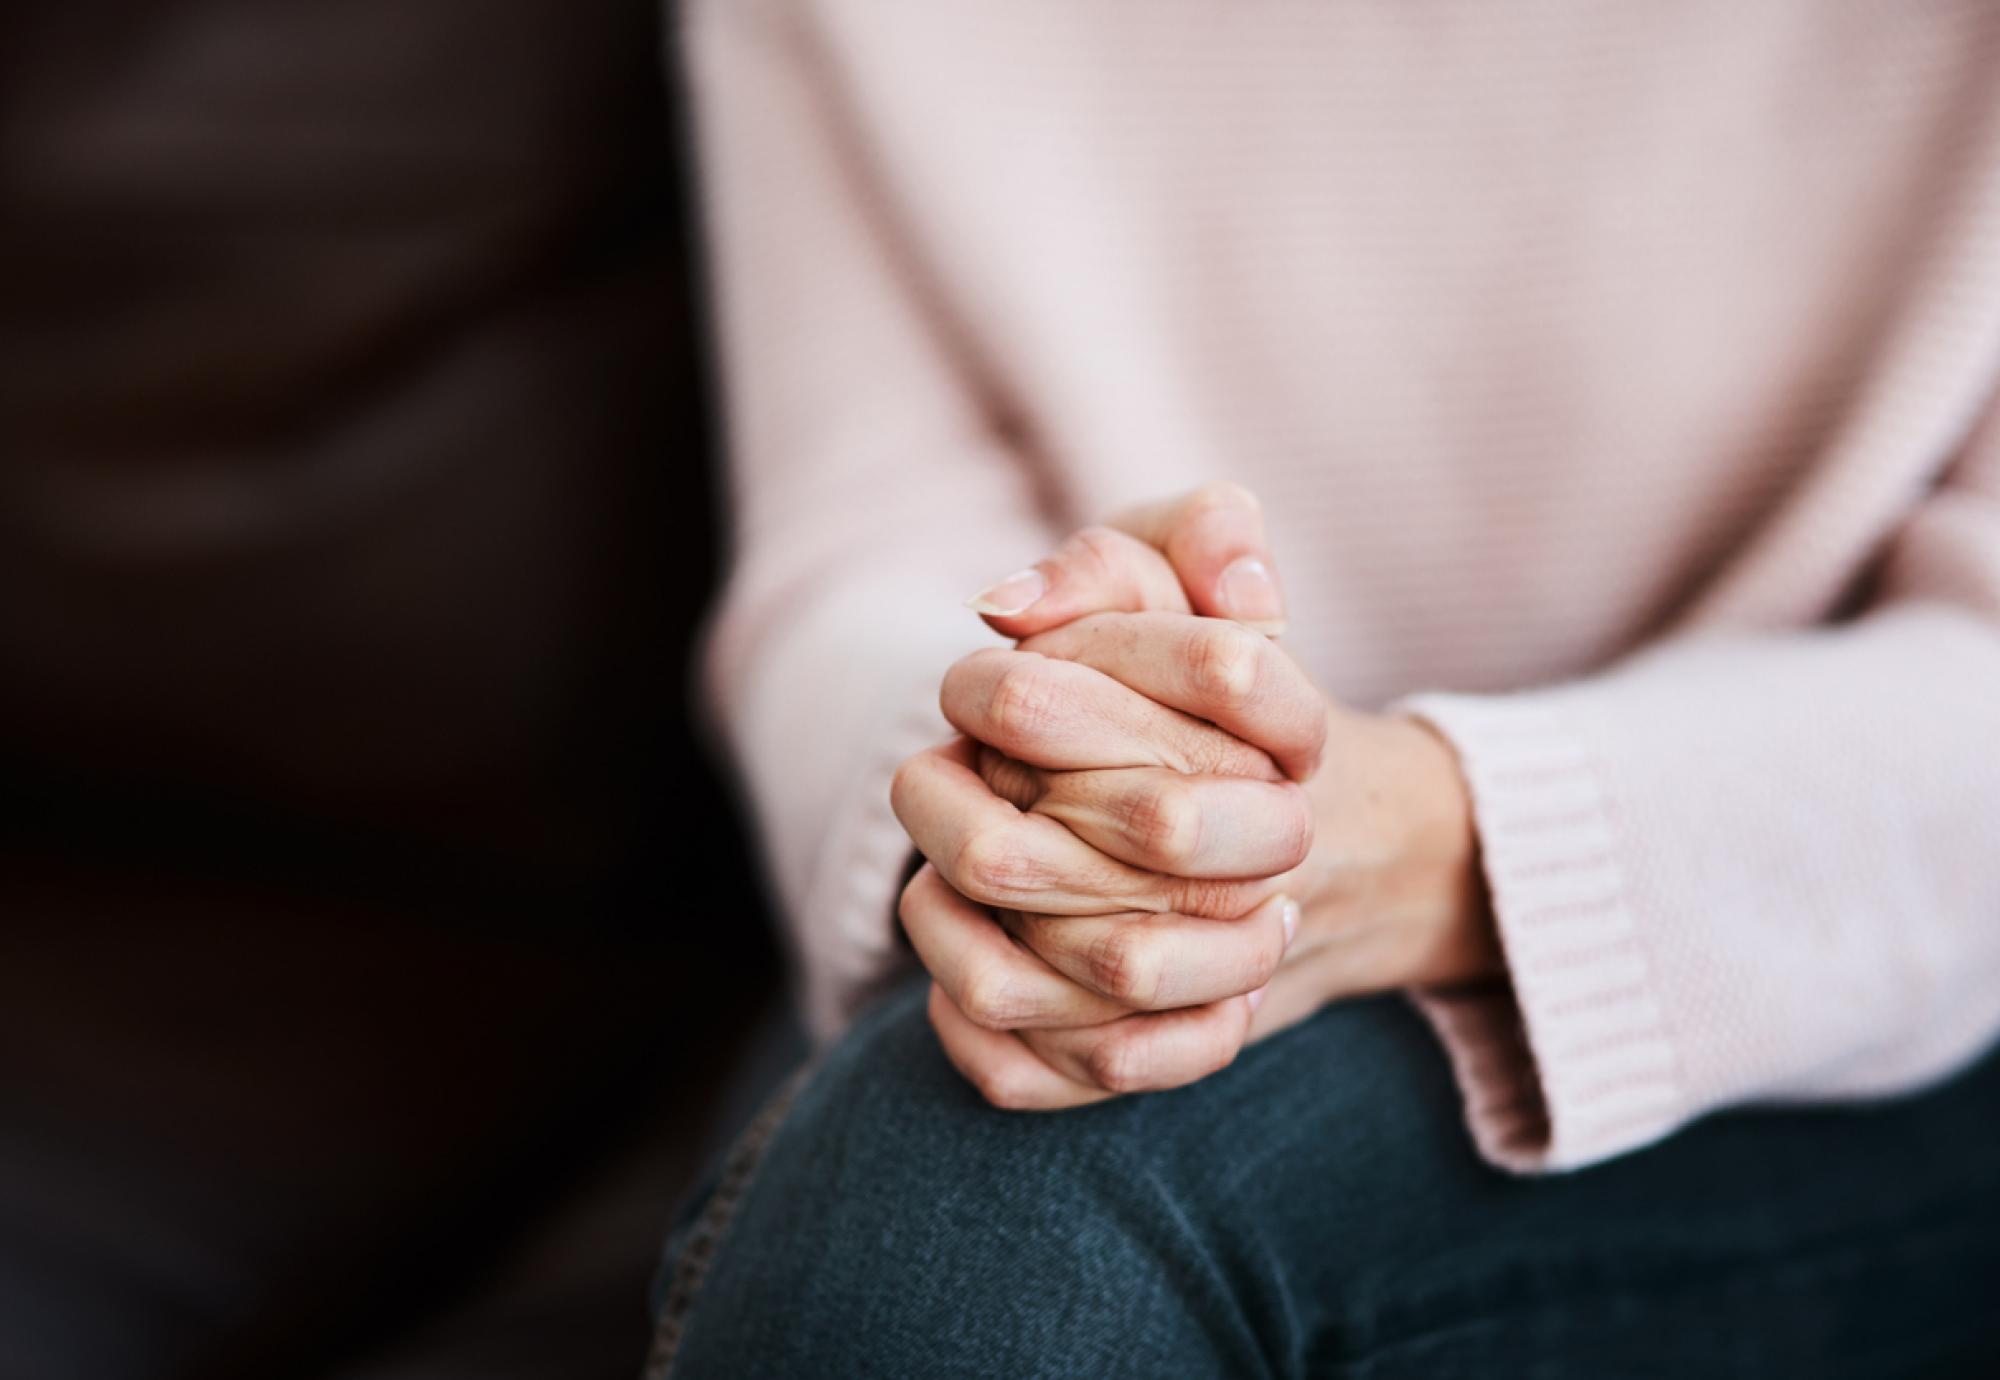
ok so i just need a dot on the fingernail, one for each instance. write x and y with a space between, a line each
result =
1249 595
1256 998
1015 594
1288 913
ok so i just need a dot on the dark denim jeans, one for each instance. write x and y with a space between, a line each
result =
1317 1209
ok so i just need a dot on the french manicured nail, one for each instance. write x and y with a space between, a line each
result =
1249 595
1288 913
1015 594
1256 998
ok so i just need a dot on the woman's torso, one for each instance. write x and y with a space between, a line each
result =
1534 325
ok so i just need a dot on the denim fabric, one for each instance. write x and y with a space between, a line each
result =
1317 1209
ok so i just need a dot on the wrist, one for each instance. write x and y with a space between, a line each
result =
1395 879
1454 935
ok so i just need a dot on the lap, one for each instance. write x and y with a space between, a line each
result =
1318 1209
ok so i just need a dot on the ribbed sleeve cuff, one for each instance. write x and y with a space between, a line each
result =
1568 1061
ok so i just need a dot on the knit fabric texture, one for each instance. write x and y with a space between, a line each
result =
1619 381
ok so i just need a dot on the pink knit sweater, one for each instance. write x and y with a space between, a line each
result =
1620 381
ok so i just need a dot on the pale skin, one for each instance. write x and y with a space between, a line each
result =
1156 840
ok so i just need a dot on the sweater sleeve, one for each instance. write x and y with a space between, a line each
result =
872 492
1744 867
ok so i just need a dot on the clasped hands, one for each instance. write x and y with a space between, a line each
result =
1156 840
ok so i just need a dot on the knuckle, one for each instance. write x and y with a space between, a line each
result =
1024 701
1318 735
964 673
1122 966
995 869
1004 1087
986 865
1220 1054
1296 829
1120 1063
1098 549
1163 821
1225 661
1270 957
901 785
992 998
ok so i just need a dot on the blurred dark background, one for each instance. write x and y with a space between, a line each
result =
373 946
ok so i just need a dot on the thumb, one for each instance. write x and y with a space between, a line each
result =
1098 570
1214 540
